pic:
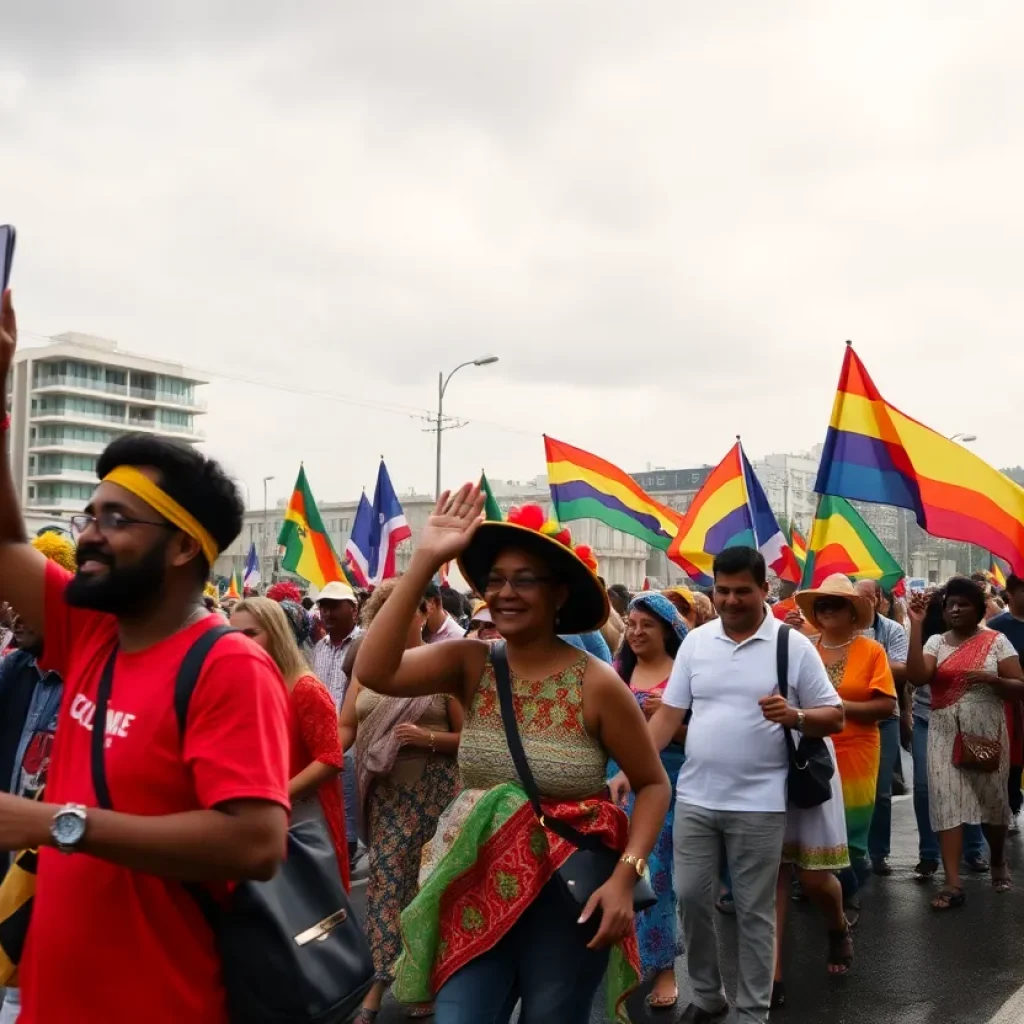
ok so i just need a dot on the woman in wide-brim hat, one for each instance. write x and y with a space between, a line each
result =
859 670
506 929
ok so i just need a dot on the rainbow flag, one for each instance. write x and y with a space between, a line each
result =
731 510
308 549
586 487
842 542
996 574
799 545
873 452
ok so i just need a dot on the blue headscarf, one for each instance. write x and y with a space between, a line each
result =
662 608
299 620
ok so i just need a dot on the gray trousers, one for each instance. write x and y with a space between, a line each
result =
753 849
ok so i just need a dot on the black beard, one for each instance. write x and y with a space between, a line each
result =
123 590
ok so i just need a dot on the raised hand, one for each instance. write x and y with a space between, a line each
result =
452 524
917 607
8 330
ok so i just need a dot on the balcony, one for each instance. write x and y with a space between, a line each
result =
158 397
168 429
68 415
63 383
73 476
67 444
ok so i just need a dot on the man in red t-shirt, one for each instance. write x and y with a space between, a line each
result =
114 936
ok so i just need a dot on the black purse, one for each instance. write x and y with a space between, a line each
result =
291 950
593 862
810 765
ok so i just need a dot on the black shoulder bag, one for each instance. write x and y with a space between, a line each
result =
810 765
593 862
291 950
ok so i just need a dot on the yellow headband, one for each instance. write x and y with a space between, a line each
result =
142 487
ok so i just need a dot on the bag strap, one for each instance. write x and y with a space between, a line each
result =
99 734
782 674
503 682
191 669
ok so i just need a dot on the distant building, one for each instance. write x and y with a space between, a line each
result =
69 399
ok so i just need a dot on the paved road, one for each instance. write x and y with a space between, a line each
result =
913 966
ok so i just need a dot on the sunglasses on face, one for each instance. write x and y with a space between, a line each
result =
826 605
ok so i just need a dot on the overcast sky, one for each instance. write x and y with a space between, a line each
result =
664 218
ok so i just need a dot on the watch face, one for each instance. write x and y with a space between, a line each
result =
68 828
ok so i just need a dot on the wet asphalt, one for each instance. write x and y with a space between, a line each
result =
913 966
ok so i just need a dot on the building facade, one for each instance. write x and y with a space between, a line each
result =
69 399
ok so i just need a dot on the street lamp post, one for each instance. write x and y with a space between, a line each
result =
266 530
442 386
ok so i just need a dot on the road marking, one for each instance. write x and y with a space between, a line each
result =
1012 1011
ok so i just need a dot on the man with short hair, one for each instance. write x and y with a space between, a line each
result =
731 789
114 935
339 613
893 637
440 626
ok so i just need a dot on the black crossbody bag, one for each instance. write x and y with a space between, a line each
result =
593 862
810 765
291 950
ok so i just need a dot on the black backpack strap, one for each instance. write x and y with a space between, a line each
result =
191 669
782 673
99 734
503 682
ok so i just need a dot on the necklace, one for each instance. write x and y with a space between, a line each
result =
835 647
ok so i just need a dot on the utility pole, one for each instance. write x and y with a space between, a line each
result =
266 530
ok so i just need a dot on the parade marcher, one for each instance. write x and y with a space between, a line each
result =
654 632
481 624
505 932
971 671
440 625
893 639
731 788
210 806
405 762
315 750
859 670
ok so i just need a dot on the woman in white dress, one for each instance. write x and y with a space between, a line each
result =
972 671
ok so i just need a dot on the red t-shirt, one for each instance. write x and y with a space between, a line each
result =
107 943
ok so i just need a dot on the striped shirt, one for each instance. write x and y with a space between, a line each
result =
329 664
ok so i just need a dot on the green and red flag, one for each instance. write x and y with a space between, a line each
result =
308 549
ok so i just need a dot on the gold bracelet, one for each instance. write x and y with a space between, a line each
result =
433 749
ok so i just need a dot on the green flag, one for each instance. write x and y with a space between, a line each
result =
492 512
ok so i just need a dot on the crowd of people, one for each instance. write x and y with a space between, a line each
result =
554 782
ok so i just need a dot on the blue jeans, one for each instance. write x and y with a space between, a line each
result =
542 960
880 833
928 841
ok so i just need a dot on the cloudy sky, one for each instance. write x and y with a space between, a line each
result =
664 218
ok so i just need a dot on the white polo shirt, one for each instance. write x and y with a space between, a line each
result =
735 759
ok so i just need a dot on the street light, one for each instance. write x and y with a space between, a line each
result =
442 386
964 438
266 530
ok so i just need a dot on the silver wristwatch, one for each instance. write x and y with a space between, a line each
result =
67 828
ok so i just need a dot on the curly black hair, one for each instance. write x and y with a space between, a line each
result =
195 482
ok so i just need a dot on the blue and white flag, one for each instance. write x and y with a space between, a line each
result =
251 576
377 532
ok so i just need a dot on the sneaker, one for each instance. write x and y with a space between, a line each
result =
977 864
926 869
881 867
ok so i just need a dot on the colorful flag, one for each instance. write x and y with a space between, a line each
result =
234 591
308 549
586 487
359 541
873 452
375 539
251 575
996 574
799 545
842 542
730 510
492 511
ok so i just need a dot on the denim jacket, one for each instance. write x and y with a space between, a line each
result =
41 717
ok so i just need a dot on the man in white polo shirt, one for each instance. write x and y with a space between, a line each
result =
732 786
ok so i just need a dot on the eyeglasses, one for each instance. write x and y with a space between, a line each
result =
109 521
495 584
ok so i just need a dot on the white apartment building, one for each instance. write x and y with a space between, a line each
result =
69 399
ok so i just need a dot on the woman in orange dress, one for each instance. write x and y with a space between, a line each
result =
859 670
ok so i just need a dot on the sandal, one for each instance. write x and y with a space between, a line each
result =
949 898
840 950
778 995
1001 882
654 1002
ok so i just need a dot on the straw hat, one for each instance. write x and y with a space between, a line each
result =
836 585
586 608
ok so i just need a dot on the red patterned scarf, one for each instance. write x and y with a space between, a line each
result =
950 681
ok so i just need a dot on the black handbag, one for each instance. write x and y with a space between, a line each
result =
291 950
593 862
810 765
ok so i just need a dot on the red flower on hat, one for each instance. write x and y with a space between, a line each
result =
533 517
